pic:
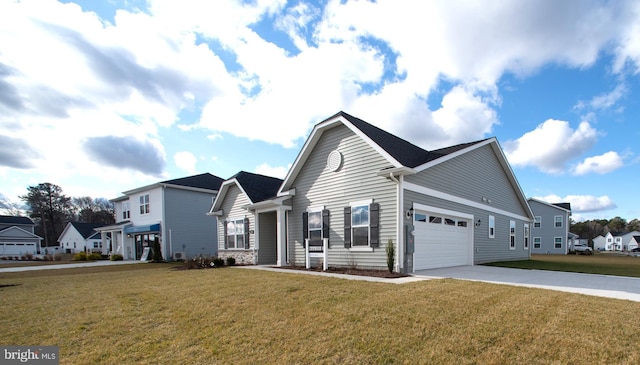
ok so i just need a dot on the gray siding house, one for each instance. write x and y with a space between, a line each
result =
550 231
246 217
355 188
17 236
174 211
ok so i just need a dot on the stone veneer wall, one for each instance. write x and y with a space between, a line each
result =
243 257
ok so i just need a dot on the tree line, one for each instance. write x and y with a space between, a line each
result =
600 227
50 210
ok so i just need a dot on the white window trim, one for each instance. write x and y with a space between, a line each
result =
492 224
144 204
512 235
368 247
555 217
554 243
525 236
534 242
235 219
315 209
539 221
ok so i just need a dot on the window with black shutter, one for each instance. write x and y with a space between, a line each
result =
362 225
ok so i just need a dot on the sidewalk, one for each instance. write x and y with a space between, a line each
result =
68 266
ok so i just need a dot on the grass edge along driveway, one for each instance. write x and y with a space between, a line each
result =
155 315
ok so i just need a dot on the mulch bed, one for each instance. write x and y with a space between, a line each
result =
349 271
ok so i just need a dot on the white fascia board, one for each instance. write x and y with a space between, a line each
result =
397 171
313 139
549 205
190 188
456 199
453 155
223 192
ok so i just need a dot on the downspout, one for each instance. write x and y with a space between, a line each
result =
400 228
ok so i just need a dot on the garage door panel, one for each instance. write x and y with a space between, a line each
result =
441 245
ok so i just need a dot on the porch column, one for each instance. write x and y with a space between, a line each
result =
281 237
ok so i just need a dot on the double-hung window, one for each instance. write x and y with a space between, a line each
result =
557 242
557 221
492 226
315 225
537 222
537 242
126 213
526 236
512 235
144 204
361 221
236 233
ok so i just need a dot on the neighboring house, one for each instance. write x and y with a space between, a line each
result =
173 211
357 189
599 243
17 237
634 243
620 241
246 231
550 231
80 237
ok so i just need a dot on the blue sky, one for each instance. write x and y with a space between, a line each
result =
101 97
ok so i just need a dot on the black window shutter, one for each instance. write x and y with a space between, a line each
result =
305 228
347 227
374 224
225 234
246 233
325 224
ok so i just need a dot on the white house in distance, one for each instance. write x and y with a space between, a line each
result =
621 241
173 211
80 237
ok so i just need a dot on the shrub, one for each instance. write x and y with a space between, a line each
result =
94 256
80 256
231 261
199 262
29 256
116 257
218 262
391 255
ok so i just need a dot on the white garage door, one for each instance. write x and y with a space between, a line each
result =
441 241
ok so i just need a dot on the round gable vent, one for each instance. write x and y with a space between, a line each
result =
334 161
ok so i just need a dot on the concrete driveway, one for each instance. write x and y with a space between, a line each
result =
619 287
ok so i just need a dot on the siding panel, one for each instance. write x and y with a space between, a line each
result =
356 180
185 216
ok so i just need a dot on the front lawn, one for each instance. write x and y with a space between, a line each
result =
151 314
598 263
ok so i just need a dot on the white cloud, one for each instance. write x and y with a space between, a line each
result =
582 203
550 146
273 171
186 161
604 101
601 164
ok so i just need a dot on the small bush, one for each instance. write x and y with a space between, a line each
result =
116 257
94 256
231 261
80 256
28 256
199 262
57 257
391 255
218 262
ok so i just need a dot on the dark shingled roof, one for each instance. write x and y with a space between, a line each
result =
405 152
203 181
9 219
258 187
566 206
86 229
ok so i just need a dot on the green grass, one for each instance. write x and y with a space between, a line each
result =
599 263
150 314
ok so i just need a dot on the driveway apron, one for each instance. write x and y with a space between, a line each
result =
619 287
